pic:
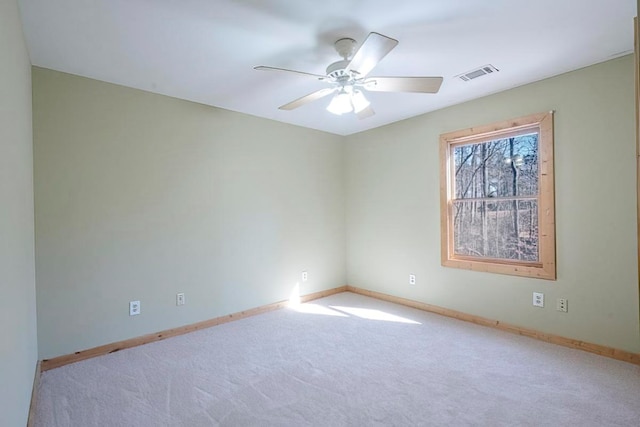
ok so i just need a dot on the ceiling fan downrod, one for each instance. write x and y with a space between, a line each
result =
345 48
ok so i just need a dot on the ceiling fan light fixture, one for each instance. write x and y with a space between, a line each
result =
340 104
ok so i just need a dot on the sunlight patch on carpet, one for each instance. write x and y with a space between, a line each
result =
317 309
372 314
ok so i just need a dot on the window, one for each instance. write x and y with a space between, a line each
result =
497 200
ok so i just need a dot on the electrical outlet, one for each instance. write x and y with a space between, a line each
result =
180 298
562 305
134 308
305 276
412 279
538 299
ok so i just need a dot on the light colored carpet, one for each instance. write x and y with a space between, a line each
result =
343 360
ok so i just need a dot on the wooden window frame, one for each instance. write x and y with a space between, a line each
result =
545 268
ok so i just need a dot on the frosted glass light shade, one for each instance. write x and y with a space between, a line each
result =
340 104
359 101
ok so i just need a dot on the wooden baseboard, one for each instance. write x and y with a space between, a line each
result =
56 362
34 396
601 350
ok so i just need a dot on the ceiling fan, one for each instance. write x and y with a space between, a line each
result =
349 77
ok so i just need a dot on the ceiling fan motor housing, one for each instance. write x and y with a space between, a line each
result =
337 70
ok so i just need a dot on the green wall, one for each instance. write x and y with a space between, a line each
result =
18 340
140 196
393 210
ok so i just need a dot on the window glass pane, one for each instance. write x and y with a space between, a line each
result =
496 230
500 168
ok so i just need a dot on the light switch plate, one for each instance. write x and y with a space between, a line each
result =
180 298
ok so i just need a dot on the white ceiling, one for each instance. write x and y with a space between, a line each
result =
205 50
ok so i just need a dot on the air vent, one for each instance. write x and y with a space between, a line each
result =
479 72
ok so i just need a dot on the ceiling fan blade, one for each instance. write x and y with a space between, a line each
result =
367 112
307 99
375 47
266 68
403 84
